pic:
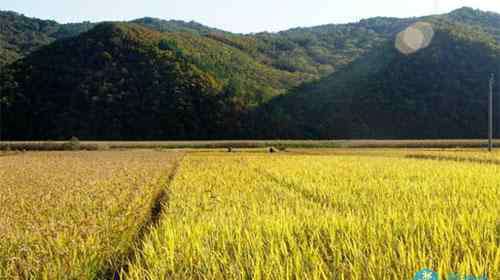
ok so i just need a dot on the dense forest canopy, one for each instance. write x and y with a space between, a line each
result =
157 79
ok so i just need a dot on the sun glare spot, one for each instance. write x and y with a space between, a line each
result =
414 38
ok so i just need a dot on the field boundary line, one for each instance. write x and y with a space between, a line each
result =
163 197
456 159
160 202
9 154
308 195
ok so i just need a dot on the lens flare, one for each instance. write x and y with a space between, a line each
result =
414 38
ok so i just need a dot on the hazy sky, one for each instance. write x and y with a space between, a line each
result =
239 16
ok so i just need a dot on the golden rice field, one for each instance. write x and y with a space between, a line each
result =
303 214
75 215
325 217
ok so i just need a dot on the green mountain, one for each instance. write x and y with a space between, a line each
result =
486 21
321 50
158 79
175 26
122 80
437 92
20 35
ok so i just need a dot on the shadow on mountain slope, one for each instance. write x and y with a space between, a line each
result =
438 92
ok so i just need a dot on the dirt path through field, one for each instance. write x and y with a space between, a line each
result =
159 204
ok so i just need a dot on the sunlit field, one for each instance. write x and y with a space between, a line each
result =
351 216
249 214
75 215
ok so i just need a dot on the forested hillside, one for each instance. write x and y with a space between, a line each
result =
167 79
438 92
20 35
122 80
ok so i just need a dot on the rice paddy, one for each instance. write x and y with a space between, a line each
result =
322 214
75 215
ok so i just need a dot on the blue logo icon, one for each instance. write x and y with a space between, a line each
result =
426 274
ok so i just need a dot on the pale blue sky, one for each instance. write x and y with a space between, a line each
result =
239 16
